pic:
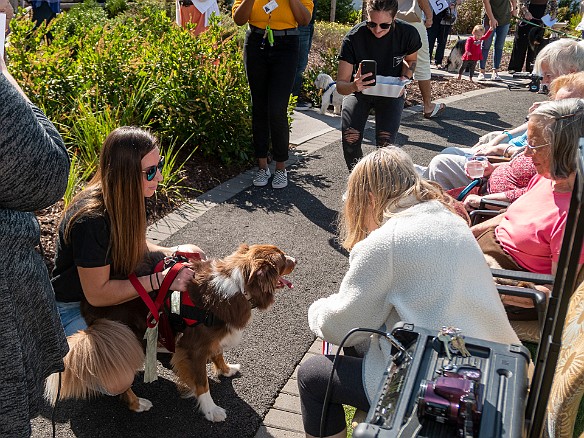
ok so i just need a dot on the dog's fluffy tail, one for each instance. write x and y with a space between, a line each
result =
101 359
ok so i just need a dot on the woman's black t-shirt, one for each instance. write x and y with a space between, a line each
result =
88 247
389 51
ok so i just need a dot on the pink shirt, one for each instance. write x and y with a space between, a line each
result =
473 49
533 226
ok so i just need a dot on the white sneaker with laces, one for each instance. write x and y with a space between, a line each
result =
481 77
280 179
496 77
261 178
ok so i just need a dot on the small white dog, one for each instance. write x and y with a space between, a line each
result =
330 95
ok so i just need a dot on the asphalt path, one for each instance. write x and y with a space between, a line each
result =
300 220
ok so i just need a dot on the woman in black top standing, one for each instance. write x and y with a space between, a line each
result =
393 44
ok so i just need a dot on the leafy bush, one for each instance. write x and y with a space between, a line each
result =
325 48
115 7
149 70
344 11
469 15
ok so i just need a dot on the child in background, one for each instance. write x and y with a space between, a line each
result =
473 50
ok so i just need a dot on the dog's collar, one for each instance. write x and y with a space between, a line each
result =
329 87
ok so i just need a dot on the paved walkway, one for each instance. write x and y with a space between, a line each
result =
311 131
262 401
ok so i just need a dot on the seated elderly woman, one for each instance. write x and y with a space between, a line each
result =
447 169
507 181
528 236
396 226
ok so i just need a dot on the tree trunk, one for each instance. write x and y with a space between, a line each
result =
333 10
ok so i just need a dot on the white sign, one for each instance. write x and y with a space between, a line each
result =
2 33
439 5
548 21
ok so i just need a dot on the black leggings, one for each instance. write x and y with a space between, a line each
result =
471 67
347 389
270 73
356 107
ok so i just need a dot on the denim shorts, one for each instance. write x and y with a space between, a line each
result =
71 318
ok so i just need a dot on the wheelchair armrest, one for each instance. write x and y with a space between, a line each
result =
523 275
499 204
538 297
477 215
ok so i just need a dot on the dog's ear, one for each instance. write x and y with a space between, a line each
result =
265 271
243 248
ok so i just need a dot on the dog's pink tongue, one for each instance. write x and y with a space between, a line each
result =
285 282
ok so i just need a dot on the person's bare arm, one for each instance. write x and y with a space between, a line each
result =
409 65
102 291
344 84
301 14
428 12
479 229
492 21
243 12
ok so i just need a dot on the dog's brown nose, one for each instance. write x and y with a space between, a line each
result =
290 265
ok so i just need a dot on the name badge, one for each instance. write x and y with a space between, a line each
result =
269 7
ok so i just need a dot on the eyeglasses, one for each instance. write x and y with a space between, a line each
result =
151 171
536 148
373 25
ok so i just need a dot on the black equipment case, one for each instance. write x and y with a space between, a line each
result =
502 386
501 391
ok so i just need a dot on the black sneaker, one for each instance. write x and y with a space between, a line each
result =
302 106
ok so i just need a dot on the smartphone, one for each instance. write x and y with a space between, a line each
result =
369 66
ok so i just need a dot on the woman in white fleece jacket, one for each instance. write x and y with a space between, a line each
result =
412 259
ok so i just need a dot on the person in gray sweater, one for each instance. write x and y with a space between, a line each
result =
34 166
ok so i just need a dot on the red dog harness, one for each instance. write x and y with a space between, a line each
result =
162 306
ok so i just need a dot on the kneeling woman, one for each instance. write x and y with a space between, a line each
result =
102 236
397 227
393 44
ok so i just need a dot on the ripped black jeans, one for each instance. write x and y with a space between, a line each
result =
356 107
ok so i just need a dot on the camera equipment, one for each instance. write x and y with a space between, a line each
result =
429 395
453 398
535 83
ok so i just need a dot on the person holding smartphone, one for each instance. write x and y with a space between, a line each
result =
393 45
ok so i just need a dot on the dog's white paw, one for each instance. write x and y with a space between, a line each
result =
210 410
143 405
233 369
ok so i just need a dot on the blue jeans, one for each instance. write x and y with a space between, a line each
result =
499 34
71 318
304 43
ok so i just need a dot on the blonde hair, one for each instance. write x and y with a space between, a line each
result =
572 83
116 191
478 28
379 182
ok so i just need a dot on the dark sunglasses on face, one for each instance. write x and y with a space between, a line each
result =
151 171
373 25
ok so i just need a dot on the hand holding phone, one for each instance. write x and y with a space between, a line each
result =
369 66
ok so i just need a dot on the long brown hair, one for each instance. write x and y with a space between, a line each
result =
382 180
116 191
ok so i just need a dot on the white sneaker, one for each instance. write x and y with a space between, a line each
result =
481 77
496 77
280 179
261 178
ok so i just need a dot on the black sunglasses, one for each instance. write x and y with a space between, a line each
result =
151 171
373 25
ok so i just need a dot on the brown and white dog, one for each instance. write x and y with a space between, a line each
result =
109 352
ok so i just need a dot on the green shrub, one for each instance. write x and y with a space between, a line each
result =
469 15
145 70
343 11
325 48
115 7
